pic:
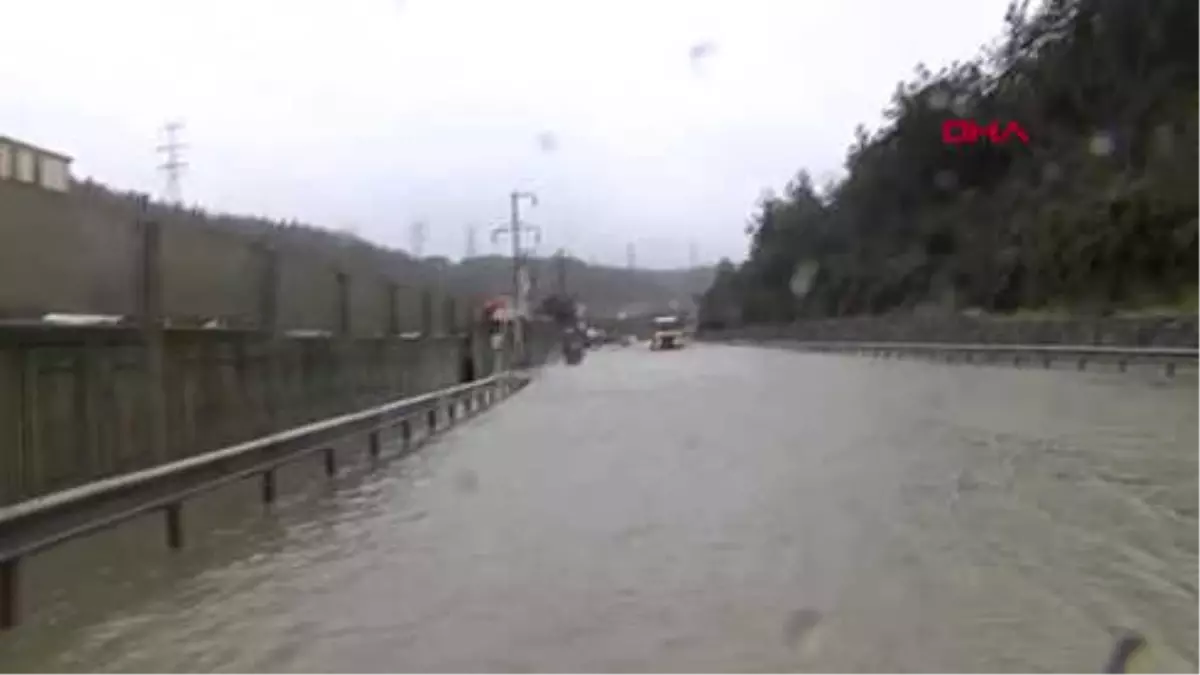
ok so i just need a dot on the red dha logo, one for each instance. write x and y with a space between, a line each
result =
958 132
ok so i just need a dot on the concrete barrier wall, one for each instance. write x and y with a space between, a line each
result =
1179 331
74 402
78 252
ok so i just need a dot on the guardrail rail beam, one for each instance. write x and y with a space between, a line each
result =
41 523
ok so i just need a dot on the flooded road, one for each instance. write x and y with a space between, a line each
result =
712 509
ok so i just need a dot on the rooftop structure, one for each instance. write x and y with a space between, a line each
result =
23 162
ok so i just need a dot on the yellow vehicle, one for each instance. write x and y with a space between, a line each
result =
668 333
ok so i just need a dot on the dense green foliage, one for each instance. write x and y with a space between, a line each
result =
1097 212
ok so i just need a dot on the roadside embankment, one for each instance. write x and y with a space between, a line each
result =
1170 331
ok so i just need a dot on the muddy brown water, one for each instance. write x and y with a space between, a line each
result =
717 508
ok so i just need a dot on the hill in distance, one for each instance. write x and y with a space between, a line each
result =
76 253
605 290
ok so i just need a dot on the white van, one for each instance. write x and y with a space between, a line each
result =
668 333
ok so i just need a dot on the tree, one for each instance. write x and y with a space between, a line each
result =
562 309
1097 211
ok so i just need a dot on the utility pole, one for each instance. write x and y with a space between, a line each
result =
693 255
520 274
560 259
631 255
416 235
173 165
471 241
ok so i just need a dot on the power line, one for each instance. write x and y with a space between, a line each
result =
173 166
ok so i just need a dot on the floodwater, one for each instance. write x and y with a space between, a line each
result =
718 508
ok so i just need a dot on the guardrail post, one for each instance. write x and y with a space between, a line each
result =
452 411
1170 369
330 462
405 434
1121 365
373 444
174 513
432 420
268 487
1082 363
1046 362
9 587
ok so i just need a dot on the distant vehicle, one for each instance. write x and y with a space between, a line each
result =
574 345
595 336
668 333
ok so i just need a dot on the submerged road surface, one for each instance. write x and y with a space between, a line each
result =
717 508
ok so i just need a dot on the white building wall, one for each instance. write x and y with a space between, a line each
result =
26 165
54 174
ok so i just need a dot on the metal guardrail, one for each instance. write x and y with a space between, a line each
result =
1018 352
44 522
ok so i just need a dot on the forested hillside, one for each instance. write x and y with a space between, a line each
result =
1098 212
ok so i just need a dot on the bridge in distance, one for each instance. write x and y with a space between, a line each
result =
717 508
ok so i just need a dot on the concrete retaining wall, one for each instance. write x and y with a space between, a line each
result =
75 403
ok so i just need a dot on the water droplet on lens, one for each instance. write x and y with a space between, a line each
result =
1102 144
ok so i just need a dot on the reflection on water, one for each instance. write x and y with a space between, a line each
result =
717 508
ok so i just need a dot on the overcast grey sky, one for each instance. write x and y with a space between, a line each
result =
372 113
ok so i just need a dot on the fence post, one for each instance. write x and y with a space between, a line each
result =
150 320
